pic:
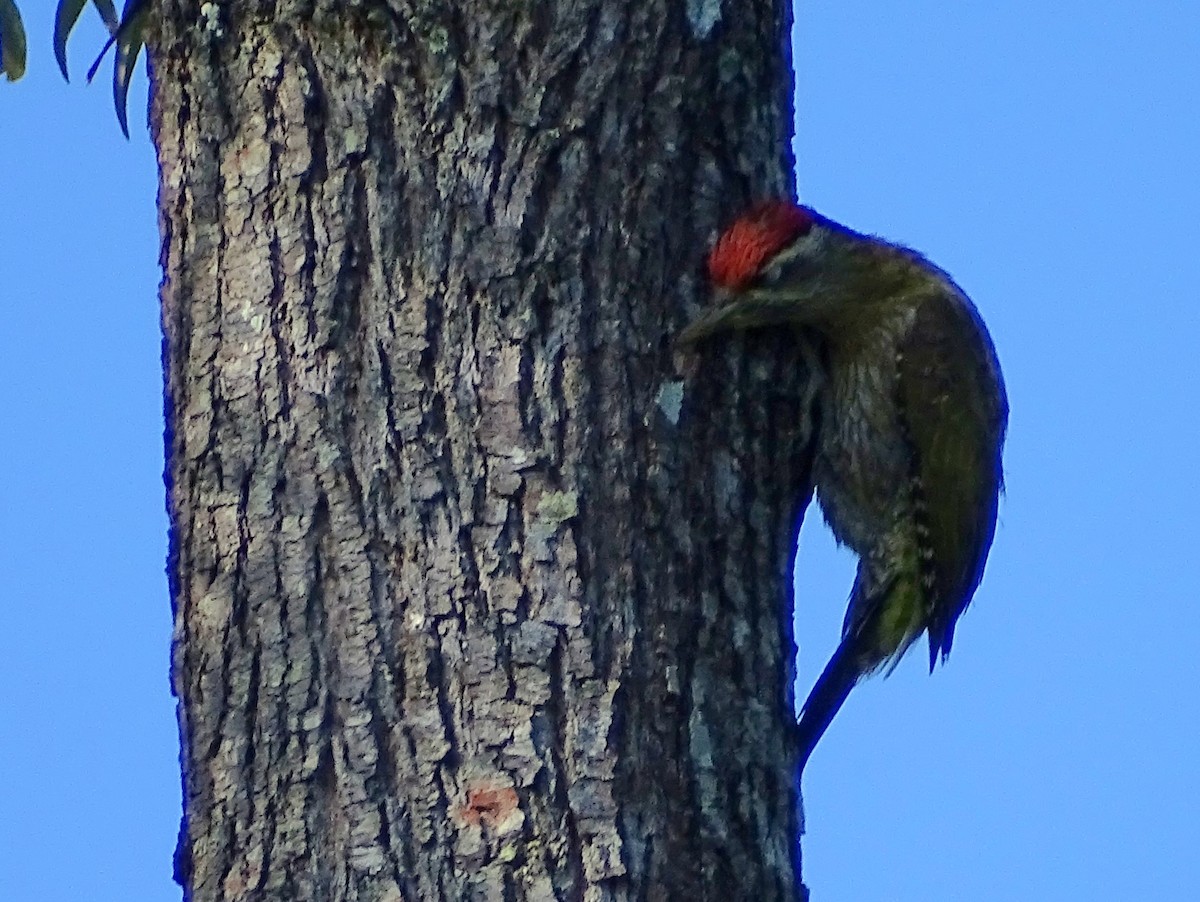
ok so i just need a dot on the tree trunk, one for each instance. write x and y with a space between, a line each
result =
481 591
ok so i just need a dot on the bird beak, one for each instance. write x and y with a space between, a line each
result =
709 322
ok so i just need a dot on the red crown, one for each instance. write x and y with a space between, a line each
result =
756 237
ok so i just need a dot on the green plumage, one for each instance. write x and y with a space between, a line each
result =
908 464
952 402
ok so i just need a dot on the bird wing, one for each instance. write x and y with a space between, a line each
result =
953 405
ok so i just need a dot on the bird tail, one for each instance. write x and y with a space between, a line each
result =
826 698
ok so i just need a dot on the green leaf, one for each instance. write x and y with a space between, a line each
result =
127 54
68 16
128 39
108 12
12 41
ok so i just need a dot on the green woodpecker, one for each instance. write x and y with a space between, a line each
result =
912 421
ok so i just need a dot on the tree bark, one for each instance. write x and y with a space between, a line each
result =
481 591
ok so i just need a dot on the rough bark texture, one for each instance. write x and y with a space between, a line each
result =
480 589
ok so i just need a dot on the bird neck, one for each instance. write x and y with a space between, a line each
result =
871 286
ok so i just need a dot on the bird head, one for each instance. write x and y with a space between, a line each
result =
772 266
754 249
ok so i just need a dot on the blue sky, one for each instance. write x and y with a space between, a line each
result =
1044 154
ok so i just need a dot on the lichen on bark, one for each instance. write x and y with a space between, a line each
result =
461 612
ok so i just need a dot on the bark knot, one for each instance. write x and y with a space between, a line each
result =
490 805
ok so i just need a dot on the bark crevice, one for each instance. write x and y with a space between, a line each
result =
463 611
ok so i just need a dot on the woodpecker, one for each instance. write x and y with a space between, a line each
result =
912 419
